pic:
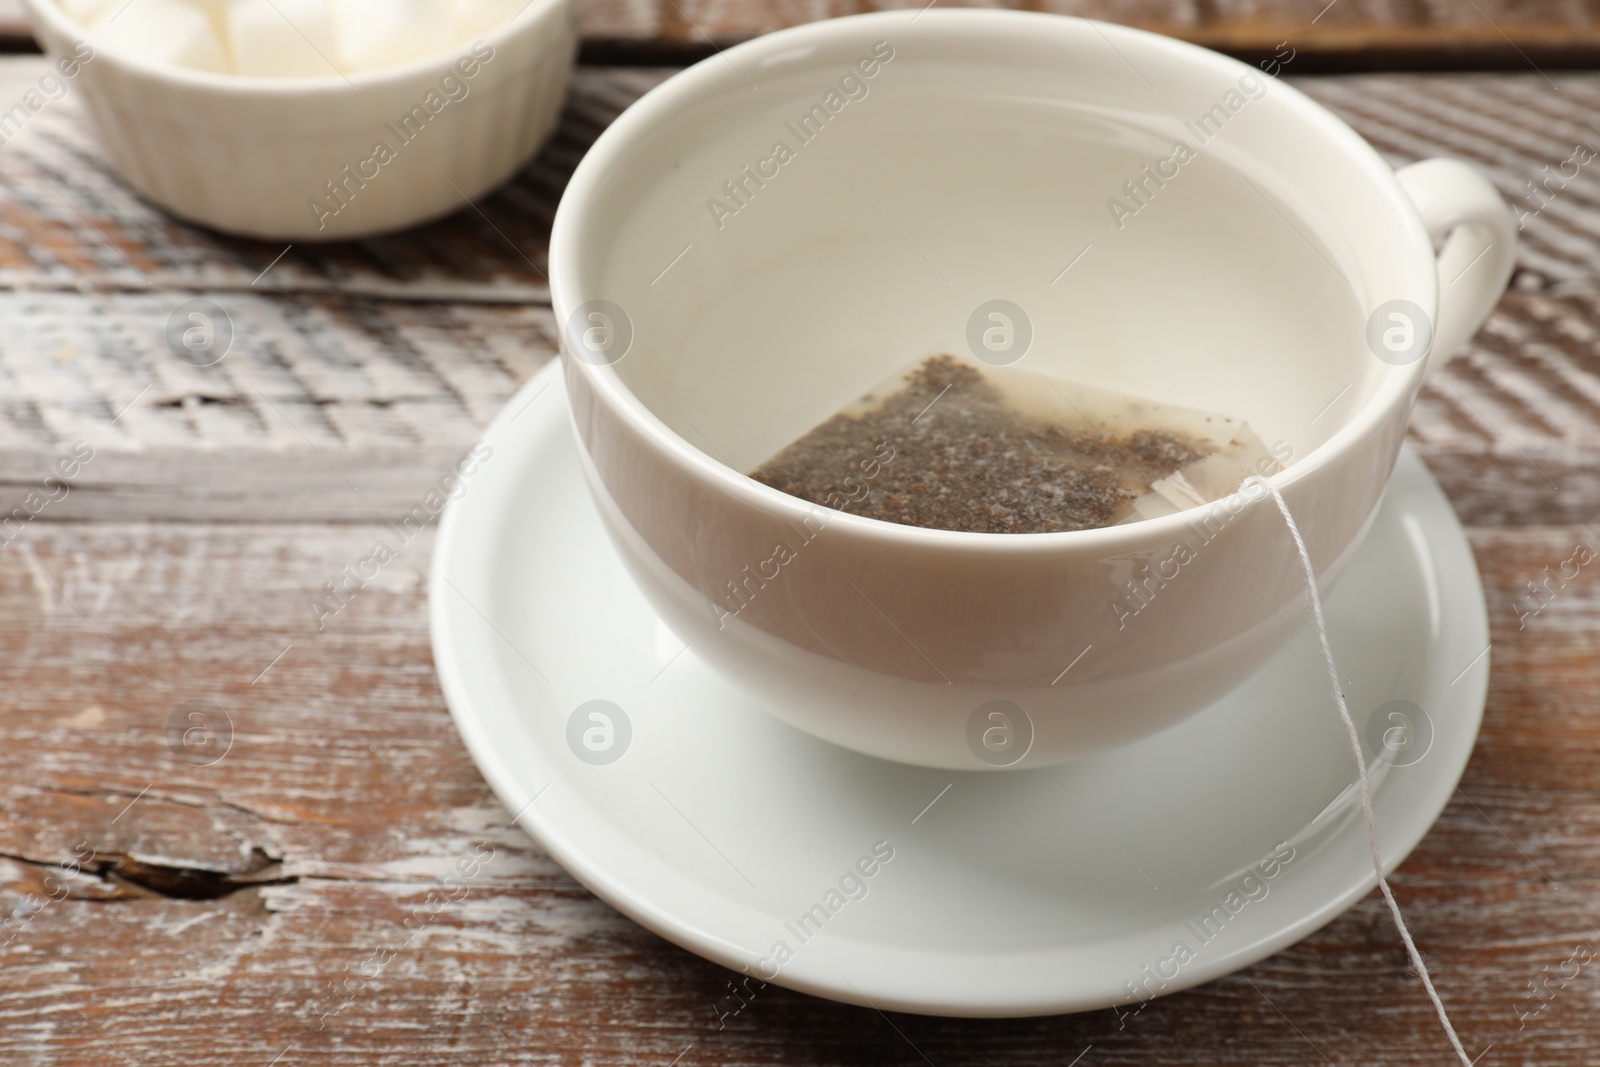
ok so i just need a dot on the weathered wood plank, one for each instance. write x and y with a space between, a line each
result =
1488 30
311 849
335 406
67 221
1387 34
348 794
383 359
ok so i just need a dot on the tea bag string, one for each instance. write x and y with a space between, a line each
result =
1361 768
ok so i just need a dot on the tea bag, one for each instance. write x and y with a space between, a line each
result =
956 445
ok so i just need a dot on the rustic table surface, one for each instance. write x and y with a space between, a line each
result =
231 911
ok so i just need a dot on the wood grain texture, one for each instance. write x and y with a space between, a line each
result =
1345 35
355 365
290 900
346 799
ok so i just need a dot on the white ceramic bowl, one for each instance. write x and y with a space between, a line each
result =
255 156
980 159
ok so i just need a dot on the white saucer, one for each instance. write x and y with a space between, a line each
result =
1008 894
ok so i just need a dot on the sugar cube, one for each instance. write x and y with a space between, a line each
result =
475 18
163 31
84 11
380 33
282 38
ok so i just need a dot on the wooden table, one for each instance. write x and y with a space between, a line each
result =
1328 34
250 908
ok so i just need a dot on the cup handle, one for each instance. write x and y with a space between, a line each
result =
1459 207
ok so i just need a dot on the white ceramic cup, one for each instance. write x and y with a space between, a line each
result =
298 158
771 232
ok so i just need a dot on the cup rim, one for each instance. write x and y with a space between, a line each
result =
245 85
569 250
